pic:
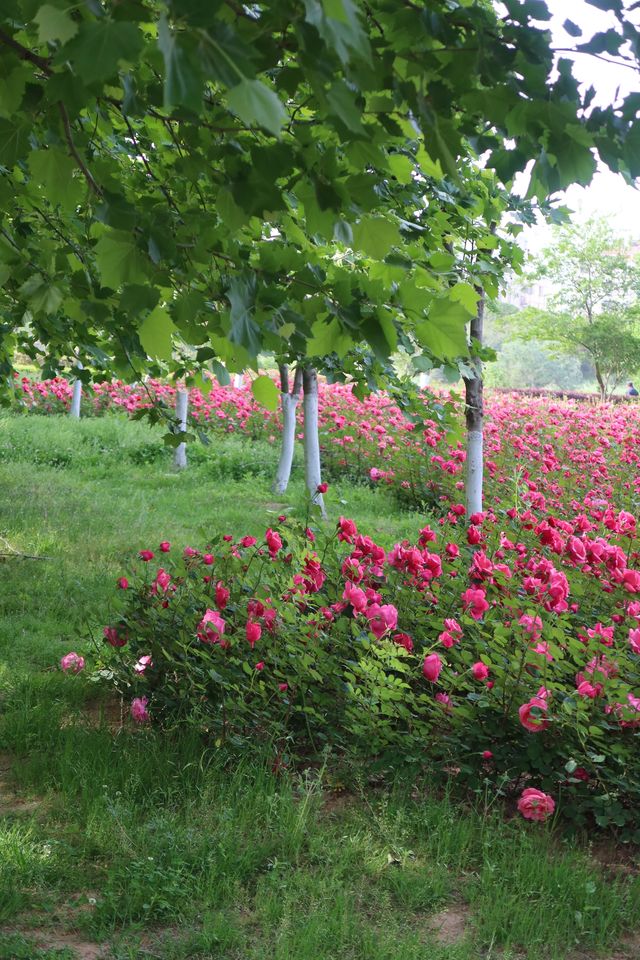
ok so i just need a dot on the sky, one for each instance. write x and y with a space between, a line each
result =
608 195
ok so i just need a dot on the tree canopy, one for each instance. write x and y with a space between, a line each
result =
192 182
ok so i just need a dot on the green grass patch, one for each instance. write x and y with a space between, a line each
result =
177 850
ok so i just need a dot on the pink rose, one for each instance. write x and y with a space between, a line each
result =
586 689
165 546
480 670
143 663
123 583
260 666
532 715
355 596
535 805
248 542
253 632
274 541
72 663
146 555
139 710
112 637
475 601
381 618
347 530
211 627
634 640
432 667
222 595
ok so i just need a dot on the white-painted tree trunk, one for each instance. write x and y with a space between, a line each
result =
238 381
474 415
74 409
283 473
182 406
312 468
475 471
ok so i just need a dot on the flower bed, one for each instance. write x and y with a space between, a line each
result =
503 649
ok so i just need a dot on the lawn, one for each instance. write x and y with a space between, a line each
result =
155 847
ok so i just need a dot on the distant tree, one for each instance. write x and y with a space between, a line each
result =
594 309
531 363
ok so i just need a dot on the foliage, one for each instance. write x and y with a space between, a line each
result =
486 648
143 225
593 307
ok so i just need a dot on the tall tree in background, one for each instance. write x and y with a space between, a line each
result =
593 305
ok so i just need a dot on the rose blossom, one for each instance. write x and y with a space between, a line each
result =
432 667
72 663
535 805
381 618
253 633
531 720
143 663
139 710
480 670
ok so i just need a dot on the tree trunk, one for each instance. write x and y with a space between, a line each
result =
312 470
601 384
290 402
238 381
182 405
74 409
474 414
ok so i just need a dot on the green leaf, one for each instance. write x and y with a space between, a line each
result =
137 297
221 373
343 104
445 333
328 338
183 80
119 260
401 167
466 295
41 296
253 102
12 88
155 334
572 28
54 24
99 48
375 236
265 392
14 142
338 23
244 330
53 170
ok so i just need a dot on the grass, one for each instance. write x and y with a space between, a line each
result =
163 848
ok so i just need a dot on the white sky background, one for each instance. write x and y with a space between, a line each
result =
608 195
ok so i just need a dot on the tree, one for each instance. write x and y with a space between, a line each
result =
593 307
138 144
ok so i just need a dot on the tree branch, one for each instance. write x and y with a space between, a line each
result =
74 151
26 54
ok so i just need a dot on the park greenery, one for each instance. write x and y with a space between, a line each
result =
164 845
244 715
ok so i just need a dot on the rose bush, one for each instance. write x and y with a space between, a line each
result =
472 662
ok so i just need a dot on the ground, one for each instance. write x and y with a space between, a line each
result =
118 843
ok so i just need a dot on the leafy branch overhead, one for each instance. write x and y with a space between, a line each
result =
183 183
